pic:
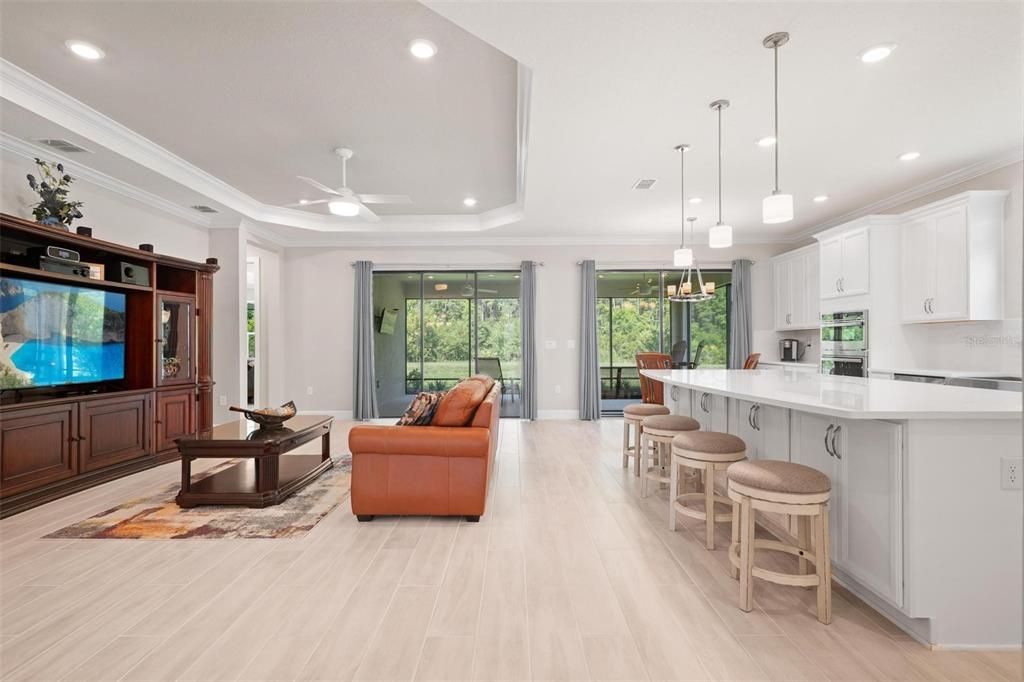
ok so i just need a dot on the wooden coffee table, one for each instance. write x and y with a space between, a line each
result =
270 477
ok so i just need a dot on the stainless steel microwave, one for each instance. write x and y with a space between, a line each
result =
844 332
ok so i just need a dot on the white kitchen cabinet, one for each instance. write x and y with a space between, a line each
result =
711 411
864 460
795 287
679 401
845 263
951 259
764 428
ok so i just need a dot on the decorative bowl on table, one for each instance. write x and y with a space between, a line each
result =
269 417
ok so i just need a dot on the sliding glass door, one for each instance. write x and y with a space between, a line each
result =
634 315
436 328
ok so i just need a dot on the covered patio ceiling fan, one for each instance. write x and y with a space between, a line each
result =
343 201
469 290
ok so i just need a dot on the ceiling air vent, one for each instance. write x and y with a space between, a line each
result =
644 183
64 146
204 209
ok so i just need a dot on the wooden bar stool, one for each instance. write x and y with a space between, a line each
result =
707 452
633 416
656 435
787 488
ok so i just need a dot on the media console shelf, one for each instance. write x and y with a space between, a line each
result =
58 440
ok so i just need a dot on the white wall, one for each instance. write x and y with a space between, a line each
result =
112 217
319 311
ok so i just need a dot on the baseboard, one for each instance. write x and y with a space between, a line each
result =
558 414
337 414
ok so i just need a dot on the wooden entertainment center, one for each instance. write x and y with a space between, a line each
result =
54 442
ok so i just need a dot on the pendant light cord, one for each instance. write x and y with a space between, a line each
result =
776 51
719 165
682 196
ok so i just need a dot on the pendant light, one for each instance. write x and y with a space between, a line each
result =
720 235
683 256
776 207
685 293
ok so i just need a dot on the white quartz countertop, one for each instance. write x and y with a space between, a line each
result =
847 397
790 363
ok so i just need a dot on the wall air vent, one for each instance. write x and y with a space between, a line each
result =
644 183
204 209
64 146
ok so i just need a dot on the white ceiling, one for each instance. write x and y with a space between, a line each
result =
256 93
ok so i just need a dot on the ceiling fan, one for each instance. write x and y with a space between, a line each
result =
469 290
643 290
344 202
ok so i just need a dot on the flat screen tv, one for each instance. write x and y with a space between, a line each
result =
59 334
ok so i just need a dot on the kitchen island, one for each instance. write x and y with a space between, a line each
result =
921 526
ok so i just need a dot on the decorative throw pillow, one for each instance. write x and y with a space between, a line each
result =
421 410
459 404
487 380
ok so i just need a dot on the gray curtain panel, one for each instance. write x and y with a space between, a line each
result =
528 334
741 330
364 393
590 371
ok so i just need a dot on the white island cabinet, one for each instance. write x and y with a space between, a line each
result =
921 527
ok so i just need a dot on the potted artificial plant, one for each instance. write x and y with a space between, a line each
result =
54 208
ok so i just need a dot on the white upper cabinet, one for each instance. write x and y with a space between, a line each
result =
794 277
951 254
845 263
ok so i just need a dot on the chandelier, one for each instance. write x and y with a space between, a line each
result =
683 256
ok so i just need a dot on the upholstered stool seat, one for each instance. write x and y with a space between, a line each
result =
787 488
707 452
633 416
657 432
644 409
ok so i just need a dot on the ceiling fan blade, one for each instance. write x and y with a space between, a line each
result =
487 291
367 215
319 185
307 203
384 199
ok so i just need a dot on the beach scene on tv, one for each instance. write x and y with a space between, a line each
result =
57 334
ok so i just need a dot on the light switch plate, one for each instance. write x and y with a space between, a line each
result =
223 400
551 344
570 343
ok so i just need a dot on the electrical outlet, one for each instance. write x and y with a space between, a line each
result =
309 390
223 400
558 389
1012 471
550 344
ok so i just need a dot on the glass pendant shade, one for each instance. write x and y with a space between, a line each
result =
682 257
343 208
720 236
777 208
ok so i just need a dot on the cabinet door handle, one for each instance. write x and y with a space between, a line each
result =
828 432
835 450
837 285
924 304
757 417
750 416
928 304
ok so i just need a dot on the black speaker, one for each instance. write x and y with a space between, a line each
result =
130 273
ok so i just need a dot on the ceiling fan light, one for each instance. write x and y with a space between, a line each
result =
343 207
720 236
682 257
777 208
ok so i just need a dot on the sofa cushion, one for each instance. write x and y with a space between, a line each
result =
487 380
421 410
458 405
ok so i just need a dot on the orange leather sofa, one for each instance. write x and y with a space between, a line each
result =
425 470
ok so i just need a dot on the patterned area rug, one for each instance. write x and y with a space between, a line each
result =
158 517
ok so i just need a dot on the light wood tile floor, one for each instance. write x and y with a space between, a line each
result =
569 576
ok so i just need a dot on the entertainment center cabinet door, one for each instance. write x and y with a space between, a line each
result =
113 430
37 446
175 417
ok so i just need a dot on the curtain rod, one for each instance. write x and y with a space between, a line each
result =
649 265
433 267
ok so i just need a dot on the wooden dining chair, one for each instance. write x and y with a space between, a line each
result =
652 391
751 361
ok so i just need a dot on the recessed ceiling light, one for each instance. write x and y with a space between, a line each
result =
820 198
303 201
469 202
422 48
909 156
85 50
877 53
695 200
766 141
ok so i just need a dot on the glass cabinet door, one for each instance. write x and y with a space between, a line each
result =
176 325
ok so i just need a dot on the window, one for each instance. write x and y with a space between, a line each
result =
436 328
634 315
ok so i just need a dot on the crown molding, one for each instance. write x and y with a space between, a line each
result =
38 96
19 147
1007 158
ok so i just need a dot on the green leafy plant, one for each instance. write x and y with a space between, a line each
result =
52 188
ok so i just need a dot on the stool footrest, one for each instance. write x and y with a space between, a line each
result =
679 505
777 577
